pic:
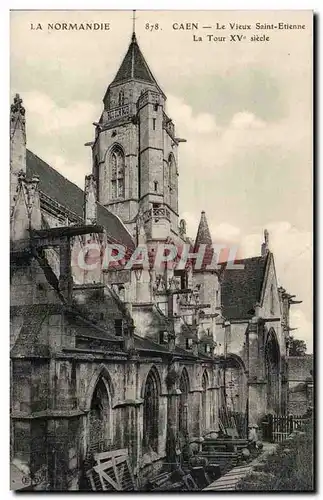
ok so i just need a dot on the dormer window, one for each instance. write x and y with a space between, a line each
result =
189 344
163 338
182 275
118 327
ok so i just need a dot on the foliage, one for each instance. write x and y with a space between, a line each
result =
290 468
297 347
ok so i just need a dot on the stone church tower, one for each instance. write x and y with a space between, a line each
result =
135 150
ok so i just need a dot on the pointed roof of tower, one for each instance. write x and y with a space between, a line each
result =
134 65
203 233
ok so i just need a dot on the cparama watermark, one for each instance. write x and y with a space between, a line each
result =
163 255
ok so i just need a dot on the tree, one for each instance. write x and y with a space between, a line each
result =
297 347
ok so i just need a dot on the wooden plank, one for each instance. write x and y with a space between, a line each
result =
105 476
99 457
120 476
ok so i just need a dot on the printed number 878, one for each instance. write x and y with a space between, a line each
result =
151 27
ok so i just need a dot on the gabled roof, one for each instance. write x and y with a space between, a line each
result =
134 65
63 191
241 288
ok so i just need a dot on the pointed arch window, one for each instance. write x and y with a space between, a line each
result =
151 412
117 169
171 171
99 419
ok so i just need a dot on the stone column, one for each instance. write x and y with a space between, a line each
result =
172 413
256 382
195 414
133 401
214 401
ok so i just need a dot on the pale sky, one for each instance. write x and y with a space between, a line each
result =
245 109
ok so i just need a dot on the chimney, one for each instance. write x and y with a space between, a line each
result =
17 146
90 206
265 244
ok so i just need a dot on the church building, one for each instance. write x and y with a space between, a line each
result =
142 358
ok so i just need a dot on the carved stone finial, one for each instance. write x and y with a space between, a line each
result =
266 236
17 108
90 207
182 227
265 244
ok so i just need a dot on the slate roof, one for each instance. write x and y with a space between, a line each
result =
241 288
134 65
63 191
144 344
299 367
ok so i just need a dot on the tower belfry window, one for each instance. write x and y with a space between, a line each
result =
121 98
154 123
171 171
117 169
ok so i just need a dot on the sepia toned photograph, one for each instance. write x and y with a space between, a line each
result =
161 251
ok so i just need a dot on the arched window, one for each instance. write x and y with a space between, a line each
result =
183 403
172 182
117 164
205 409
235 384
171 172
99 419
121 98
151 412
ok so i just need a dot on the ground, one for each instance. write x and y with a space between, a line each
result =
289 468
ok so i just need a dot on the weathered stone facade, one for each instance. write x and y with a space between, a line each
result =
300 384
137 359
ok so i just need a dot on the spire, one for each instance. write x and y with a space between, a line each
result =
203 233
133 24
134 65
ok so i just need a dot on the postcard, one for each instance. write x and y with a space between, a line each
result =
161 257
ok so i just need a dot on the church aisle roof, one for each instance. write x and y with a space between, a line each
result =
241 288
63 191
134 65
